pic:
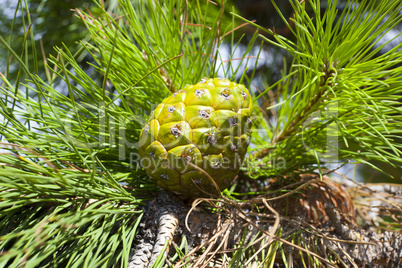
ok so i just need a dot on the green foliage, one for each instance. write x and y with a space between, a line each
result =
34 28
341 97
71 188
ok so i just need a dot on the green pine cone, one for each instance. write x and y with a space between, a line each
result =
206 125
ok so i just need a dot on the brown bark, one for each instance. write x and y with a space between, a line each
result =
321 223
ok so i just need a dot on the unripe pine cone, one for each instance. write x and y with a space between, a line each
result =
203 128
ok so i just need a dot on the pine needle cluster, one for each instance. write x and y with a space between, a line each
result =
71 186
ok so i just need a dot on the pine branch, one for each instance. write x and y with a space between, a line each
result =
340 99
71 187
72 191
